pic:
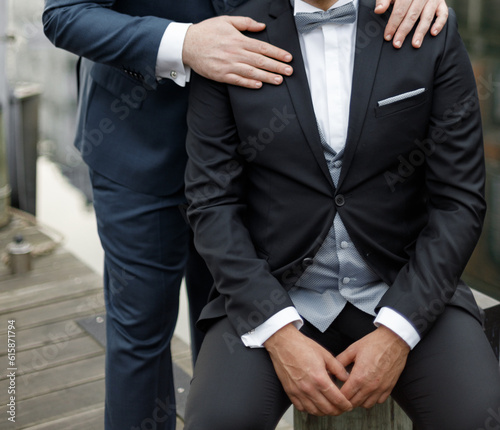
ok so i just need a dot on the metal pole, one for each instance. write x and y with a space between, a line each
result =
4 86
5 117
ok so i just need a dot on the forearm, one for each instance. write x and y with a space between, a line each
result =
94 31
215 189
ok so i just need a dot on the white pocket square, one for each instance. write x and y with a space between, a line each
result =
401 97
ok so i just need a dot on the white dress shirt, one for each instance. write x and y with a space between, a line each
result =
169 63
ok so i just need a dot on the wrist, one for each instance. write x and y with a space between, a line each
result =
186 46
394 338
284 334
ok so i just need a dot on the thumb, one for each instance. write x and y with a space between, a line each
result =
243 23
347 357
335 368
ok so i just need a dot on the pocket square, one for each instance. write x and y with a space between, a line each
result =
400 97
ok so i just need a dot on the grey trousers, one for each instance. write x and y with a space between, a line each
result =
451 380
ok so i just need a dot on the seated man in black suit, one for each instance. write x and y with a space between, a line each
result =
336 214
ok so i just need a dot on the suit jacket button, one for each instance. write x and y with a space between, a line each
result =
307 262
339 200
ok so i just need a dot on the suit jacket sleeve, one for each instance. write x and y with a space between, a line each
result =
215 189
92 29
454 182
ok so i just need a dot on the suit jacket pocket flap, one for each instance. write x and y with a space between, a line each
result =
130 92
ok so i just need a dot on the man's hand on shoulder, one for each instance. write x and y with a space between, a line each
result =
379 358
406 13
305 370
216 49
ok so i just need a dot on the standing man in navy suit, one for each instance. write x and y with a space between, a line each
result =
136 59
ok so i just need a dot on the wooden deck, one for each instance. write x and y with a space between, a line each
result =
60 367
59 382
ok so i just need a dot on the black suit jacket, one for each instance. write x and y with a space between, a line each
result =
410 192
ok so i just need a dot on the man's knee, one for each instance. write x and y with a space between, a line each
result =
480 411
488 414
226 419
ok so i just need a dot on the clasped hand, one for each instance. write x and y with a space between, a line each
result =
305 370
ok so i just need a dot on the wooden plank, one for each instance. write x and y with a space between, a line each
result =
60 404
57 378
12 282
31 233
43 335
57 257
52 261
92 303
387 416
41 264
55 290
91 419
53 355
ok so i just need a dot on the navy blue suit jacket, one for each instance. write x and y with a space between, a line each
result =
131 128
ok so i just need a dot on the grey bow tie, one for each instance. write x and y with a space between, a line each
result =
307 22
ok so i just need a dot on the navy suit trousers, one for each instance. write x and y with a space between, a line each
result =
147 248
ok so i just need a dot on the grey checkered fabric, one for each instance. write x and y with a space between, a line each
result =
400 97
307 22
338 273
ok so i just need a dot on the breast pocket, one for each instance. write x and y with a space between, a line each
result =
401 102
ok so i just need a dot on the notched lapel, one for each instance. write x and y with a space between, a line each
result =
369 41
282 33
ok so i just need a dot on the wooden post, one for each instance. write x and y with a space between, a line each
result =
387 416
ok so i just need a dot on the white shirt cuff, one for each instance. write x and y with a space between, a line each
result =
398 324
169 61
257 337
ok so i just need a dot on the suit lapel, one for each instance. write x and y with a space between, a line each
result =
219 6
366 59
223 7
280 34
